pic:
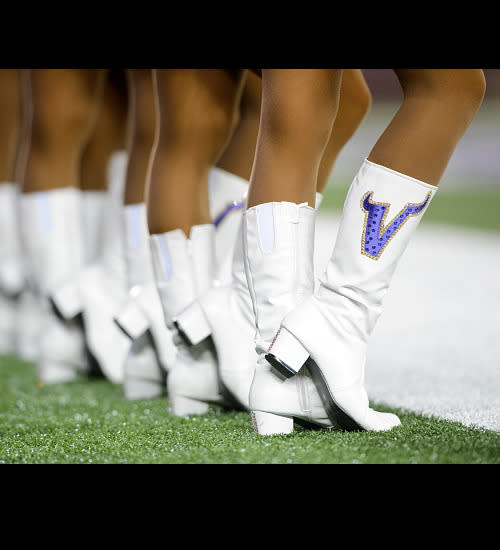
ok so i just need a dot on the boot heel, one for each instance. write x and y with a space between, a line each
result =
271 424
286 354
54 372
192 324
183 406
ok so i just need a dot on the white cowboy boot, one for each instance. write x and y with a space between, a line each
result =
51 234
279 253
227 314
328 332
220 308
101 289
153 351
11 272
144 376
184 270
93 213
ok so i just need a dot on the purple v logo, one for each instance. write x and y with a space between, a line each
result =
376 234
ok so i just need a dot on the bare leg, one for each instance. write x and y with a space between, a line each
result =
64 108
239 154
354 104
438 106
298 111
107 137
142 127
108 134
197 113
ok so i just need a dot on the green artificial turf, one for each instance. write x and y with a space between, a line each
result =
90 422
476 208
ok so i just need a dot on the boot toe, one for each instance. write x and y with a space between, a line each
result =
379 422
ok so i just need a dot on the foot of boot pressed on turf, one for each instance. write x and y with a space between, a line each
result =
279 247
184 270
143 377
56 373
184 406
100 289
50 222
271 424
328 332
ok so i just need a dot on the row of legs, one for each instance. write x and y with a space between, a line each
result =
201 267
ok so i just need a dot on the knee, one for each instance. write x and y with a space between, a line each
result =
305 128
466 92
472 89
59 121
461 90
206 129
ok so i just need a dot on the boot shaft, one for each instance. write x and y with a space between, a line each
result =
227 202
93 205
382 210
112 253
278 239
52 236
137 250
11 268
184 268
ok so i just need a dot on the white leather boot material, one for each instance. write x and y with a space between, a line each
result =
143 313
8 323
174 267
279 244
28 320
51 233
11 272
229 314
103 285
382 211
137 249
101 289
143 378
11 268
153 351
227 195
93 212
184 270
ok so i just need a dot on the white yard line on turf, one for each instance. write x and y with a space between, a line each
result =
436 348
